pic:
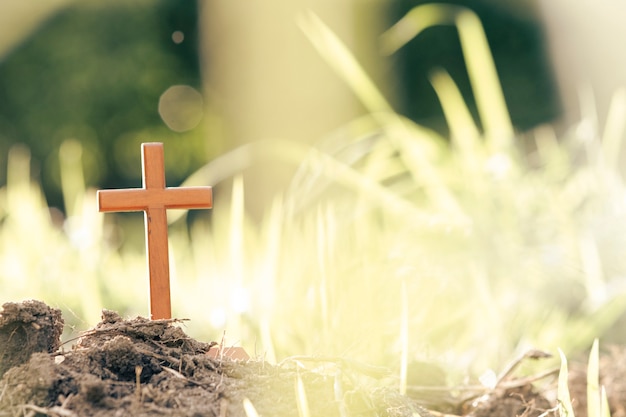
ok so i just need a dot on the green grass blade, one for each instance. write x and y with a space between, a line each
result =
404 338
464 133
478 59
402 136
463 130
593 382
301 400
414 22
72 177
563 396
605 409
614 130
237 229
592 267
249 409
330 168
485 82
338 56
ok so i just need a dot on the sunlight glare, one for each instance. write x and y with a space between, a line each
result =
240 300
488 379
217 317
499 166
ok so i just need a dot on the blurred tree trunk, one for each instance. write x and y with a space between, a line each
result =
586 46
266 81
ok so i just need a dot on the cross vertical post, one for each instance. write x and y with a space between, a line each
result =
155 219
154 199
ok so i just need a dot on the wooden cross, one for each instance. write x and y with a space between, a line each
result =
154 199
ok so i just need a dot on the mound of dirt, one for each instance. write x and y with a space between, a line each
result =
26 328
152 368
141 368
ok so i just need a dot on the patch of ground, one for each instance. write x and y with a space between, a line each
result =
612 378
25 328
152 368
142 368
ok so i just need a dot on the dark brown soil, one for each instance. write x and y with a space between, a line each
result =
152 368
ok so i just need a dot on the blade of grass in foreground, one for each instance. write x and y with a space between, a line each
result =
301 400
398 133
606 410
289 151
563 397
463 130
249 409
614 130
479 61
337 55
404 339
593 382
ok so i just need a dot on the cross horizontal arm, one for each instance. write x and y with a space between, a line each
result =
140 199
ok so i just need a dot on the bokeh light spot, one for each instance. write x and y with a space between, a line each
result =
178 37
181 107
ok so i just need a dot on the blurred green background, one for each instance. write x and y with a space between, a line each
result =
367 204
96 72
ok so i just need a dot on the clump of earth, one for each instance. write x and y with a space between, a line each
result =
140 367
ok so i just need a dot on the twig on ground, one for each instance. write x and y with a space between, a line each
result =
362 368
123 328
512 366
53 411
